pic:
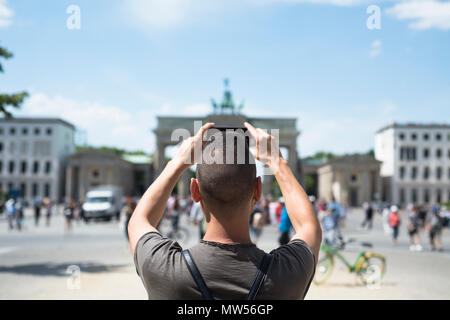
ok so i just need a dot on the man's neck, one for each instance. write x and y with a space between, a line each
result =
228 230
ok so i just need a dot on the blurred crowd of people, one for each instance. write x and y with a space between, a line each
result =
418 219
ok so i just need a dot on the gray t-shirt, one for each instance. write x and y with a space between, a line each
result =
228 269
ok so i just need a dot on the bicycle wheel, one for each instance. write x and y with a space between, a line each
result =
372 268
324 269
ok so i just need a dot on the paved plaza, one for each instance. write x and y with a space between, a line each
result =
42 263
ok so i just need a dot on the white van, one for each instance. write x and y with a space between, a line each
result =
103 202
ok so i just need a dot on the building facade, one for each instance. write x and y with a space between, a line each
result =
416 163
351 180
91 168
33 152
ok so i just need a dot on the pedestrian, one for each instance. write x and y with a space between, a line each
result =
385 217
422 217
129 209
394 222
174 215
37 210
335 209
225 263
11 210
197 218
368 209
68 215
284 227
343 215
20 214
413 230
434 225
279 209
328 228
48 211
258 220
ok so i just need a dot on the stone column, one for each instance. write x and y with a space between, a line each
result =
69 177
365 196
293 161
159 161
184 185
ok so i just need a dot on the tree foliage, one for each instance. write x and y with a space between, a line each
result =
13 100
114 150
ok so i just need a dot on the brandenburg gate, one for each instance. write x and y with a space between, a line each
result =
225 114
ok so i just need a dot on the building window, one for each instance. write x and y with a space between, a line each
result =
1 167
414 196
47 190
35 167
402 195
11 167
448 176
426 173
1 147
438 196
49 131
448 153
402 173
426 196
95 173
353 177
23 167
414 173
23 189
401 136
37 131
48 167
1 132
438 173
35 189
408 153
12 131
413 136
426 136
25 131
438 153
438 137
426 153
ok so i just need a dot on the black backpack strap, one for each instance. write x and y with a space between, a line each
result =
196 275
260 277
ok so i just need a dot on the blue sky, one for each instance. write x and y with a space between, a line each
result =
314 60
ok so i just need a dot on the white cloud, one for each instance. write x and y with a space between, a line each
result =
6 14
157 14
376 48
426 14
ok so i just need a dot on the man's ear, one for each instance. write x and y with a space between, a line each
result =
257 189
195 190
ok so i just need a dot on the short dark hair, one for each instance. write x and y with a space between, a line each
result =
223 185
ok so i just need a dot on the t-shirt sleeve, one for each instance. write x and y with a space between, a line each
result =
155 254
296 261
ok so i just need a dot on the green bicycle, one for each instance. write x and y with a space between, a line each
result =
370 267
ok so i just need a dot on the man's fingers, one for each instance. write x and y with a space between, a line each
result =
252 129
203 129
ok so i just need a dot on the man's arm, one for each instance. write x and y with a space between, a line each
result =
150 208
299 208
